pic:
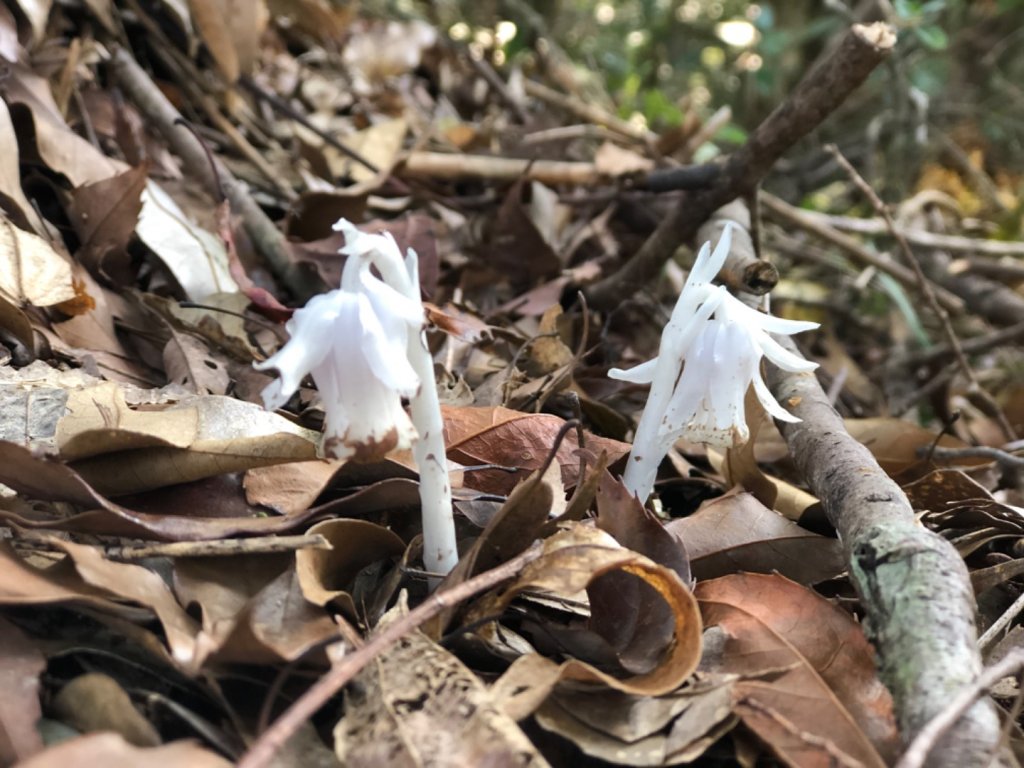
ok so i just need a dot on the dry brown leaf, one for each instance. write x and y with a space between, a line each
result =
253 610
290 488
642 730
379 144
189 363
522 249
418 705
326 575
634 620
199 437
140 585
112 751
104 215
21 663
12 196
40 478
809 685
737 533
572 560
515 439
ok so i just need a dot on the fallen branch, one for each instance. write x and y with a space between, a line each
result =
262 752
814 99
784 213
159 112
937 731
913 585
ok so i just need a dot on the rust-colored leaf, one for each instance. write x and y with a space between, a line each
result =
809 685
737 533
514 439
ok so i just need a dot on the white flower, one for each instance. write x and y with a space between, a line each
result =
354 342
721 341
363 345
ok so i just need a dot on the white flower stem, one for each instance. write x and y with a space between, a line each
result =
440 553
646 455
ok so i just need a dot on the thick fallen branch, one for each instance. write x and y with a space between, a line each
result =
814 99
913 585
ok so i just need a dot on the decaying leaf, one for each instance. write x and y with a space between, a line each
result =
737 533
573 559
418 705
514 439
196 438
31 271
809 687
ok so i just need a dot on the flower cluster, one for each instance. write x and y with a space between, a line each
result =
353 341
721 341
363 346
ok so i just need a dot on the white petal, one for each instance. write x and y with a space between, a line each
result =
391 303
771 405
782 357
311 331
768 322
364 416
384 348
638 374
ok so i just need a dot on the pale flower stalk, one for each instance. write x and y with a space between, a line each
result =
721 341
363 345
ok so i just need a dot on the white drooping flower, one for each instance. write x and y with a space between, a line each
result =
353 341
710 354
363 346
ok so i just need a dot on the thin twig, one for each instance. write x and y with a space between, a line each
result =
1004 459
1000 624
257 545
926 739
262 752
927 290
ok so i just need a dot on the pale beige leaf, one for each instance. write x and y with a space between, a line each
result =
31 271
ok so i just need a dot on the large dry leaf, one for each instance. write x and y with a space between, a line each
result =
104 215
736 532
514 439
40 478
12 197
189 363
21 663
326 575
112 751
623 729
253 610
140 585
809 685
625 613
195 257
63 150
118 450
417 705
31 271
573 559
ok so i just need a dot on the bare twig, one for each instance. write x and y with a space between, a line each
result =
929 737
589 112
926 288
920 237
1003 458
785 213
973 346
263 750
814 99
256 545
1001 623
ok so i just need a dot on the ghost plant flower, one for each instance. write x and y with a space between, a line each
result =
363 346
721 341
